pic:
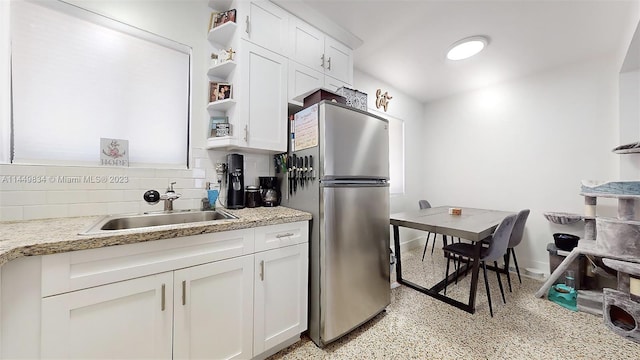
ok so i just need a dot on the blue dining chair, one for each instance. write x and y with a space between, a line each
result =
497 248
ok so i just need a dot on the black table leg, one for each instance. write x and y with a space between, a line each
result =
474 275
433 291
396 245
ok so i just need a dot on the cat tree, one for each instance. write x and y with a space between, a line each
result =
617 242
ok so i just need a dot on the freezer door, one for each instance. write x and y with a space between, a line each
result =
354 257
353 143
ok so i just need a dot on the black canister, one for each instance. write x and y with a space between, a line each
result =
253 197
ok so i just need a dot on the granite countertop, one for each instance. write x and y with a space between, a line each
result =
50 236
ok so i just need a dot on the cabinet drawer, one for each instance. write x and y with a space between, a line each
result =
276 236
76 270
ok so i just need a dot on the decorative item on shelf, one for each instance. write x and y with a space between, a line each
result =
224 91
114 152
223 129
382 100
212 19
356 99
214 60
213 91
214 121
219 91
562 218
229 54
219 18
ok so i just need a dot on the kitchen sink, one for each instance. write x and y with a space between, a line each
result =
124 222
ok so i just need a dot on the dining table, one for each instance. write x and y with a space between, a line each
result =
471 224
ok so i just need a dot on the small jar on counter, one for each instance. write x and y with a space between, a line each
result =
252 197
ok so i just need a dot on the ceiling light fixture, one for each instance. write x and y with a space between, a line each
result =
467 47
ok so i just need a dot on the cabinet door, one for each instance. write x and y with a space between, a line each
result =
306 44
303 79
129 319
338 60
214 310
265 24
332 84
264 98
280 295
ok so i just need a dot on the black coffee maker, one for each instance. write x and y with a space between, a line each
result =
235 182
270 190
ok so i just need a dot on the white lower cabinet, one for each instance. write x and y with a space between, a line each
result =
213 306
280 295
235 308
128 319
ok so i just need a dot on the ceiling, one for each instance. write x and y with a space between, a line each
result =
404 42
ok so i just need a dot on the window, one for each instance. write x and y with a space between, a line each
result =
77 77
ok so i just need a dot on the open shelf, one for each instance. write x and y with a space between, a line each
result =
221 142
222 34
220 5
221 105
222 70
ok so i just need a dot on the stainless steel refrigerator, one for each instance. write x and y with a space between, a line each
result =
341 156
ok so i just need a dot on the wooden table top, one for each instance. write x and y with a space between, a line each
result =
473 224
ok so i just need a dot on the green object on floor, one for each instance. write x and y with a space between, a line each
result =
564 296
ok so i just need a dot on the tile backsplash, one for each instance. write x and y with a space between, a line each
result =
46 191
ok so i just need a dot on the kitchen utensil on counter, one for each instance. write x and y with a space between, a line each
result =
253 198
270 191
234 182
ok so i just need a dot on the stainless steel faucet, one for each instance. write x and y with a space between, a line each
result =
168 197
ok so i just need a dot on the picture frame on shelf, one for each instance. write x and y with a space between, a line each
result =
213 91
212 19
223 129
214 121
224 91
223 17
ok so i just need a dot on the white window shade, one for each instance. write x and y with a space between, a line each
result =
78 77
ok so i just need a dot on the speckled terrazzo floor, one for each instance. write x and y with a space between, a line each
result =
416 326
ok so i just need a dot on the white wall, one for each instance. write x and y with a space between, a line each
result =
526 144
629 123
410 110
182 21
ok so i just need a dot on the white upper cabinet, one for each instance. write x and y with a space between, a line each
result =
307 45
312 48
338 60
264 24
263 92
303 79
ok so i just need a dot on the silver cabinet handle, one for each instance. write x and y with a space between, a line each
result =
262 270
246 133
283 235
184 292
329 63
322 59
162 298
248 27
